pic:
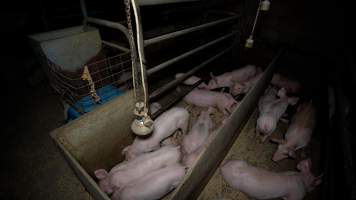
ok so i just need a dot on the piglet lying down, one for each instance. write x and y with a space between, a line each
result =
128 171
205 98
262 184
153 185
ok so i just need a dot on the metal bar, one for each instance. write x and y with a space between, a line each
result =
110 44
141 52
222 12
182 56
177 81
84 9
186 31
138 20
158 2
217 147
176 99
110 24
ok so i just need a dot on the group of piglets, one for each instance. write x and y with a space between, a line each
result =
152 167
239 81
273 105
156 165
260 183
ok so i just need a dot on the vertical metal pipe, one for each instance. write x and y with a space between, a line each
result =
84 9
140 49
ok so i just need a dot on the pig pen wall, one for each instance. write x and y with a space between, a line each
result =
96 139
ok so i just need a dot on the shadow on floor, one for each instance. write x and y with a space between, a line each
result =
32 167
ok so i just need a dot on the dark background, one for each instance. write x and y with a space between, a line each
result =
321 29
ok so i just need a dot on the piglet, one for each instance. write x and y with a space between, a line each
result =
271 110
199 132
191 80
291 86
165 125
244 87
229 78
189 159
128 171
153 185
205 98
259 183
268 97
299 132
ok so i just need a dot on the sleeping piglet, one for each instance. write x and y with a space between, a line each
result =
205 98
165 125
128 171
153 185
244 87
259 183
299 132
229 78
271 110
199 132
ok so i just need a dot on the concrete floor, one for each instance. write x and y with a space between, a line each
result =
32 167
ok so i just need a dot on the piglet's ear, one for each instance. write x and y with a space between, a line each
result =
282 93
101 174
123 152
278 141
317 180
304 165
291 153
213 77
293 100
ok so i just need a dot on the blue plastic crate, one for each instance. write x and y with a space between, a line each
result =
87 103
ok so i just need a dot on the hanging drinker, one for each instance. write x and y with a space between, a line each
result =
265 5
249 42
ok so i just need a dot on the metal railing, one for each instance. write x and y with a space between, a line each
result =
146 42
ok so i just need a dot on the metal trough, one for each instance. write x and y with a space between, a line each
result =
96 139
